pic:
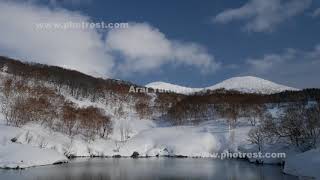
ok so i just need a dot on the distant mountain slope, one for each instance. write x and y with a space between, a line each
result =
172 87
246 84
84 90
250 84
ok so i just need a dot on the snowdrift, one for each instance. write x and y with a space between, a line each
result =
306 164
23 156
168 141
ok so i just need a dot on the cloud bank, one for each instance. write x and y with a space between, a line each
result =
316 13
263 15
299 68
79 49
141 47
145 48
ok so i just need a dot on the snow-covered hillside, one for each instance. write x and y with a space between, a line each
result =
250 84
246 84
172 87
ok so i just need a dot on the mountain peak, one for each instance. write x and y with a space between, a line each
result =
246 84
251 84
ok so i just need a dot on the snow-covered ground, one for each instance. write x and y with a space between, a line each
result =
146 138
189 141
22 156
15 155
36 145
184 141
172 87
305 164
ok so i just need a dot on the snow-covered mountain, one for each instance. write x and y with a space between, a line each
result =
172 87
247 84
250 84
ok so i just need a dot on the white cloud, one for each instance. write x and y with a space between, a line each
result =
83 50
56 2
263 15
316 13
73 2
269 61
145 48
142 47
293 67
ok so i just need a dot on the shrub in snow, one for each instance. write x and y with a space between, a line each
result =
135 154
299 125
257 136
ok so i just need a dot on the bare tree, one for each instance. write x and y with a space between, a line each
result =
69 117
125 129
7 99
107 127
255 111
299 125
232 114
257 136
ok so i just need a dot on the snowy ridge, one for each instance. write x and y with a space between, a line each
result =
172 87
246 84
250 84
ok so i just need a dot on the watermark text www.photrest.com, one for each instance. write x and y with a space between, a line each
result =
249 155
81 25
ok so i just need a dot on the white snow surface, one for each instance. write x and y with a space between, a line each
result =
172 87
246 84
146 138
172 141
24 155
250 84
188 141
14 155
305 164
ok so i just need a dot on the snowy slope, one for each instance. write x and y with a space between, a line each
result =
247 84
250 84
172 87
24 155
304 164
16 155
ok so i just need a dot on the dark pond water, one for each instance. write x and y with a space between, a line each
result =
149 168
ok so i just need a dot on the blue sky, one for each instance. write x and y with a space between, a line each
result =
191 43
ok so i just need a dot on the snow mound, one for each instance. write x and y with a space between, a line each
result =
14 155
250 84
174 141
172 87
23 156
304 165
169 141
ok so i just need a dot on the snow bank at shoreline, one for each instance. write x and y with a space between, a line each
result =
204 140
36 145
14 155
23 156
304 164
168 141
174 141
